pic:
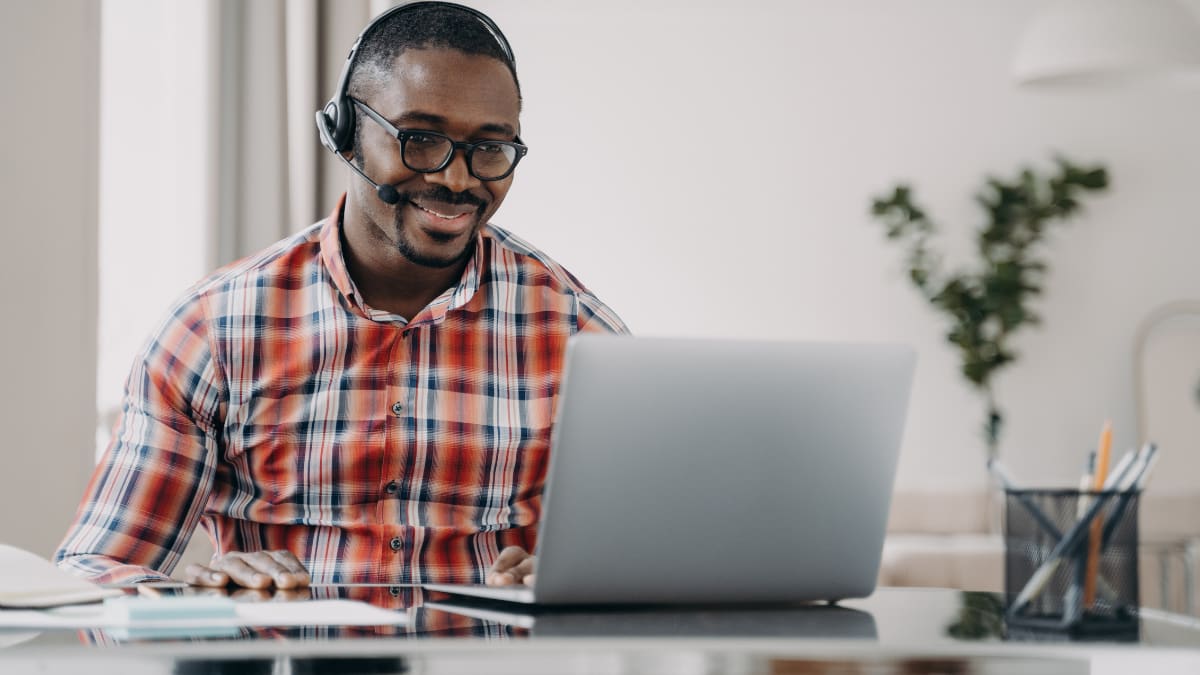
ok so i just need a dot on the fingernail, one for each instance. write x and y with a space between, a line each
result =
214 576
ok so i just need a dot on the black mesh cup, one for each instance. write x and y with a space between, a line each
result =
1048 537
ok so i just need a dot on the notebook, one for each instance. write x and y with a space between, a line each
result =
30 581
689 471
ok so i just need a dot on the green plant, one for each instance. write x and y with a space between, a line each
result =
980 617
986 305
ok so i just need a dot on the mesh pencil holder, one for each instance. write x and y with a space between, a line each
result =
1070 563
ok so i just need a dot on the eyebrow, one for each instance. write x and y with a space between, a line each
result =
417 116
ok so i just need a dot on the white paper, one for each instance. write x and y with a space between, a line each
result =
296 613
28 580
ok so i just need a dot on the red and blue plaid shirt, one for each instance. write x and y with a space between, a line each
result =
277 410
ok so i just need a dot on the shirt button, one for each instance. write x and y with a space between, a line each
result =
392 487
395 543
395 591
397 408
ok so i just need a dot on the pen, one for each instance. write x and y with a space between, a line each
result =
1001 475
1119 470
1085 484
1097 527
1138 480
1071 598
1072 539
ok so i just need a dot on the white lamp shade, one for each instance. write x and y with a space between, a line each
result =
1100 40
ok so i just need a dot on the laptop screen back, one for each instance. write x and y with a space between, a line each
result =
687 470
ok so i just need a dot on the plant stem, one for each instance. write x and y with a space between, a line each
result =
995 421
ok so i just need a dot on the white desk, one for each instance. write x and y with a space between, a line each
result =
894 631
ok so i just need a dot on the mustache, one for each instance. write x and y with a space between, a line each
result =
443 194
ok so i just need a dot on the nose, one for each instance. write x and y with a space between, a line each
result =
456 176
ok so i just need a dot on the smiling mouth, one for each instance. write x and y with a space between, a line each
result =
441 215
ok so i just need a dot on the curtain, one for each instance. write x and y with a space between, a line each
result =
273 64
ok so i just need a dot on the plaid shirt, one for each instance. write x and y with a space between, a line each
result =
276 409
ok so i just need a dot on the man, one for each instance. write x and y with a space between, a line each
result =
369 400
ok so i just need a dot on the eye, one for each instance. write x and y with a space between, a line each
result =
424 140
491 148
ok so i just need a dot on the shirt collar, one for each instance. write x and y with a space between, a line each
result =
453 298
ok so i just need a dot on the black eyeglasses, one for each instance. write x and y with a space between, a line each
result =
430 152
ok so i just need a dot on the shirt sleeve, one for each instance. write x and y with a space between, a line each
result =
150 488
596 317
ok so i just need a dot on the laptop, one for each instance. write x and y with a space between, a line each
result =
701 471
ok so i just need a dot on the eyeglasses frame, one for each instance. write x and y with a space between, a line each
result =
468 148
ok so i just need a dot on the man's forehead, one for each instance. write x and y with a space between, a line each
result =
451 68
450 83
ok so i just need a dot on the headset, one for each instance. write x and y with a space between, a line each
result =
335 122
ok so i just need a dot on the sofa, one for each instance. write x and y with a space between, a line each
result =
944 539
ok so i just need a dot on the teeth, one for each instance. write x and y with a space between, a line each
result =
439 215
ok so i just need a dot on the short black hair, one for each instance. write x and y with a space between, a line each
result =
433 26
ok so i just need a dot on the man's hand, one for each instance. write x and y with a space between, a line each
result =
262 569
514 566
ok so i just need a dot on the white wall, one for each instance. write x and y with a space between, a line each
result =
768 243
829 103
154 182
49 52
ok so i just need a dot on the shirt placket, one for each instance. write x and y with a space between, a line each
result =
396 539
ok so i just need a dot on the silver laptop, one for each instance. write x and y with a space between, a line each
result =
689 471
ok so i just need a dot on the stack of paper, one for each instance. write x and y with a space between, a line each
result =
187 614
27 580
36 594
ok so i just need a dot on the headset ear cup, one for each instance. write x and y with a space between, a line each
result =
344 123
327 126
335 125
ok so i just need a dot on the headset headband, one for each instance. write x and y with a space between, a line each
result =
335 122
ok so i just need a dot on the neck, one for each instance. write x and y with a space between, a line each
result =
385 278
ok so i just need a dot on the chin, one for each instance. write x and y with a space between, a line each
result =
438 259
431 249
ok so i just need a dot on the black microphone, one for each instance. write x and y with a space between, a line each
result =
386 193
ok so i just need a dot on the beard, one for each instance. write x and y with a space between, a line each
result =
404 232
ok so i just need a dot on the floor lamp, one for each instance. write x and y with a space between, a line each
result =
1105 41
1102 42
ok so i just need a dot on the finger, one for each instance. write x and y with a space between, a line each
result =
509 558
214 592
289 561
241 572
524 571
199 575
529 579
502 571
287 595
295 575
265 562
500 579
518 574
251 595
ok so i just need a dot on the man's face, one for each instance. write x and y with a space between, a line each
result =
466 97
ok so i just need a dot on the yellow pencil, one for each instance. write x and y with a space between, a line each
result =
1101 475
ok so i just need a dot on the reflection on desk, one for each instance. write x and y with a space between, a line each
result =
803 622
893 631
